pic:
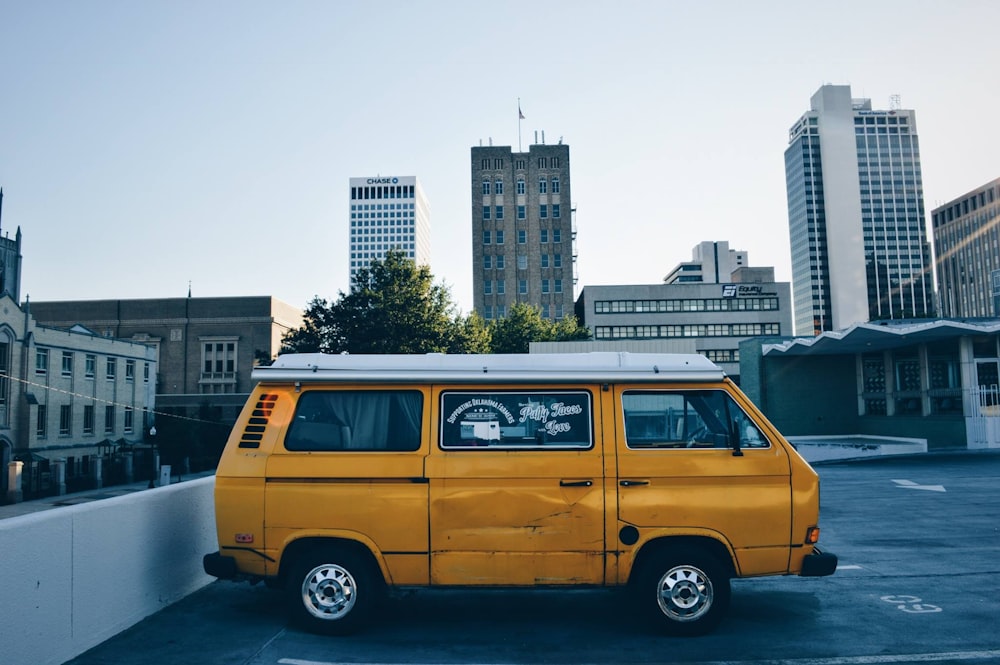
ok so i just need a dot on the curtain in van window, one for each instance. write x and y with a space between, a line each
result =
356 420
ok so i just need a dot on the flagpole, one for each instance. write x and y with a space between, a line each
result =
520 117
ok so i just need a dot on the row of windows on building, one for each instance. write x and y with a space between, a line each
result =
217 358
519 164
378 250
382 226
686 305
490 212
522 236
394 232
391 236
896 381
547 286
368 216
500 262
881 130
363 207
383 192
687 330
955 239
89 367
496 186
966 206
89 417
500 311
358 258
722 355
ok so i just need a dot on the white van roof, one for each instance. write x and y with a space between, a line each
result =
489 368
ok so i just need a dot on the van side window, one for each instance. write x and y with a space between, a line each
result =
356 420
687 419
516 420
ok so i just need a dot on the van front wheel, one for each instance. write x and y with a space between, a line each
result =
332 592
685 591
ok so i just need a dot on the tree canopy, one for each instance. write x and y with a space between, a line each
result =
524 324
394 306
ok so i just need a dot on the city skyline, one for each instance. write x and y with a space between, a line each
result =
148 147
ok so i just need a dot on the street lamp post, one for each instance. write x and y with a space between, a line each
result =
156 457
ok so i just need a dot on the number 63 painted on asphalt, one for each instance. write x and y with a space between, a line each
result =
911 604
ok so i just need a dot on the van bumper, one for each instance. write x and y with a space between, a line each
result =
217 565
818 564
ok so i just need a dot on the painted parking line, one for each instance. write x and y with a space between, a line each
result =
840 660
910 485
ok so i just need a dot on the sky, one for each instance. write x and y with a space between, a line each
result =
151 147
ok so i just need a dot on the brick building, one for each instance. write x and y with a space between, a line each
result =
522 230
205 348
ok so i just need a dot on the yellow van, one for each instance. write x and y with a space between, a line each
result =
347 476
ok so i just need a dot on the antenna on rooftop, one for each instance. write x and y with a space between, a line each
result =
894 102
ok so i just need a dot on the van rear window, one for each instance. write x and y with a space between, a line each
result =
356 420
516 420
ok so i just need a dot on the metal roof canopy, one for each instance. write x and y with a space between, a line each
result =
874 337
491 368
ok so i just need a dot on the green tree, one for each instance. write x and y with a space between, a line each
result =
319 332
472 335
394 306
524 324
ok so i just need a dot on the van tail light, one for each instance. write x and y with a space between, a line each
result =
244 538
812 535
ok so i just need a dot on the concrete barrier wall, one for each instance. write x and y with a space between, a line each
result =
75 576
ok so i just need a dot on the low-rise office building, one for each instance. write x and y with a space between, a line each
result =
717 317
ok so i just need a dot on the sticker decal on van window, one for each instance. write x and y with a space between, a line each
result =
526 419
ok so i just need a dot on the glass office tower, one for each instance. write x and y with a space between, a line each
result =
856 215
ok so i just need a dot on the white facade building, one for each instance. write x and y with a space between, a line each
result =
388 213
712 262
856 215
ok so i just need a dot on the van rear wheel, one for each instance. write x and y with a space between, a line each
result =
685 591
332 591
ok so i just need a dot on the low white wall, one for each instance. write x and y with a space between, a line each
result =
74 576
854 446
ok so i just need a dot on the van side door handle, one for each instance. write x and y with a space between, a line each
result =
632 483
575 483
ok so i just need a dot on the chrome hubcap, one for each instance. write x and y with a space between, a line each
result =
329 591
684 593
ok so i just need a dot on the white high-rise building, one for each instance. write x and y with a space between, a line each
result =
856 215
388 213
712 262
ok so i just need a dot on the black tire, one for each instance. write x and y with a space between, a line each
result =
683 591
333 591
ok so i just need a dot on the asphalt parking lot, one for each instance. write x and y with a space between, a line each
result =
919 581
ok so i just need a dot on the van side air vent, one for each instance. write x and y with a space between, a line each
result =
257 423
